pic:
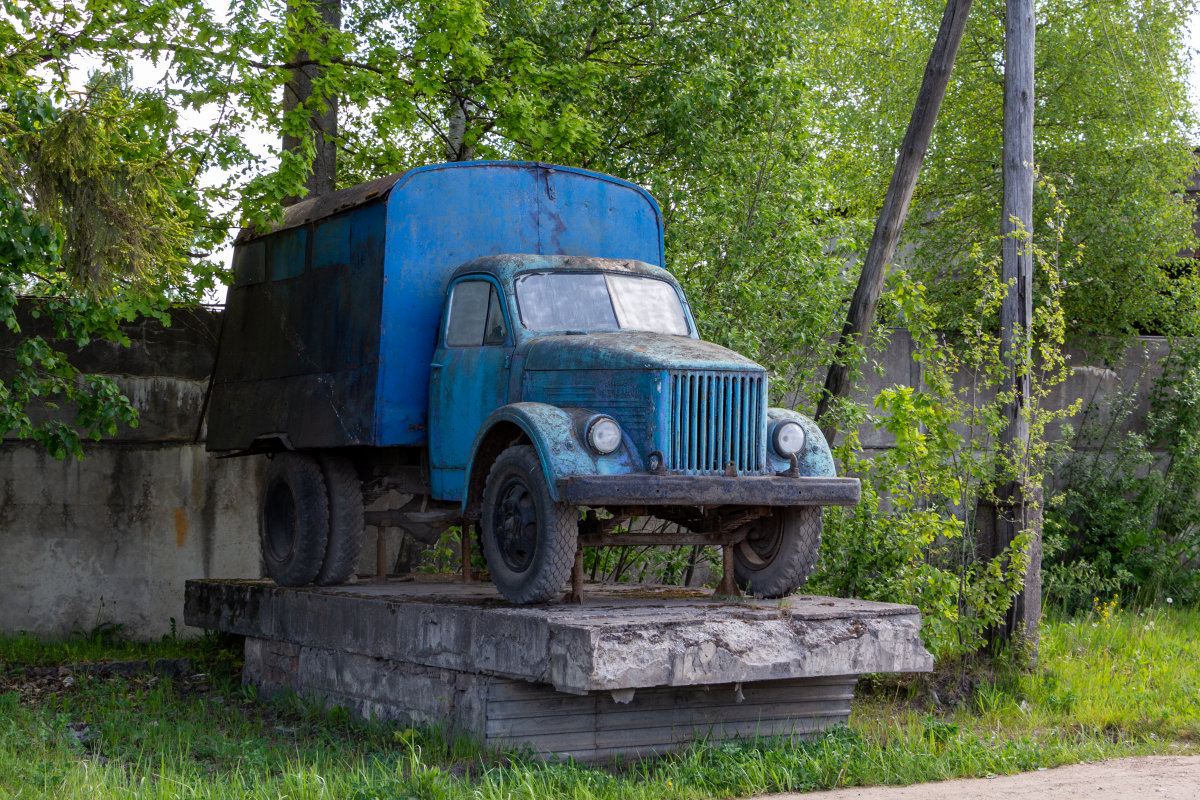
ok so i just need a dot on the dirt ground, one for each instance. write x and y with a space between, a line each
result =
1149 778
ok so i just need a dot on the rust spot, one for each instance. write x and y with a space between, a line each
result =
181 527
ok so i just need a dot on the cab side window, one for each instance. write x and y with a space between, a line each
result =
476 317
495 331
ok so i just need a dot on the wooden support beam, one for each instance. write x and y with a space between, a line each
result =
890 223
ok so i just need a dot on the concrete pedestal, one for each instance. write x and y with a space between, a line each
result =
636 670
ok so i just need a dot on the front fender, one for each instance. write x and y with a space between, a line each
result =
556 436
815 460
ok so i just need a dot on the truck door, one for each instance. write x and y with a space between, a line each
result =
468 379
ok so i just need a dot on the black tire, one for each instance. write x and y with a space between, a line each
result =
528 539
779 551
345 521
293 519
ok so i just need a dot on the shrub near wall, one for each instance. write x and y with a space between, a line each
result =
1126 522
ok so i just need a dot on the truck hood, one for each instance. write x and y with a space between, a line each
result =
631 350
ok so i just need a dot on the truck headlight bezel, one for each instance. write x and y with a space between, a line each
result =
603 434
788 438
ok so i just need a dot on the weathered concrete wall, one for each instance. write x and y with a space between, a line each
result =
112 538
1096 383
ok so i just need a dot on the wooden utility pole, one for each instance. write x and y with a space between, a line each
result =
1018 506
298 90
890 223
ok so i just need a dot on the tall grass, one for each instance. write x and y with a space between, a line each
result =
1110 683
1135 672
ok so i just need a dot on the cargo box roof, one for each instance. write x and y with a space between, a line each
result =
326 205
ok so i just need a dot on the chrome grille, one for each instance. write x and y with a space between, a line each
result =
716 417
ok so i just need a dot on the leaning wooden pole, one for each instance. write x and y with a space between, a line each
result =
1018 506
890 222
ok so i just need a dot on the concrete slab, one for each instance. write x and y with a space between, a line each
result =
635 670
623 637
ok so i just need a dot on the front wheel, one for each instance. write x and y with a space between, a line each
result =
779 552
528 539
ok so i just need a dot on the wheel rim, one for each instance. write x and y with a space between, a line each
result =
280 519
761 544
514 521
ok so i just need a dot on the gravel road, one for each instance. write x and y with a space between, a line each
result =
1148 778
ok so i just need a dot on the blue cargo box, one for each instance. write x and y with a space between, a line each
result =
331 323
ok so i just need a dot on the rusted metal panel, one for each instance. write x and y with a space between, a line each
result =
327 205
815 459
707 490
554 433
300 343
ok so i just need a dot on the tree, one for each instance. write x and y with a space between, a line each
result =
767 130
1112 137
100 220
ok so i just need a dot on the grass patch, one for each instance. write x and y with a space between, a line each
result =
102 643
1109 684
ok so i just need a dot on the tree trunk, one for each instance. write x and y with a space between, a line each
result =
895 205
296 92
456 150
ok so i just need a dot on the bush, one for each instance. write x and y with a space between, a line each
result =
1127 520
913 537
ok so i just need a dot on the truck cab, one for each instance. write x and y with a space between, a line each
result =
504 346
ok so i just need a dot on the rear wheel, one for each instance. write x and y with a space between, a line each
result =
345 521
528 539
779 552
293 519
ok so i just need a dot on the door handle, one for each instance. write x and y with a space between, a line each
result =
435 365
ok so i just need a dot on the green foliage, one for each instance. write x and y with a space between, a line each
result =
1140 674
104 643
912 538
100 216
767 130
1126 522
1114 133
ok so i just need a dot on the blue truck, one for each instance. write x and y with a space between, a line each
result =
498 345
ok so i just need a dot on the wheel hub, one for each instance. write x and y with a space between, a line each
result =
761 543
515 523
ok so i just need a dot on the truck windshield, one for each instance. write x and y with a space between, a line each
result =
593 301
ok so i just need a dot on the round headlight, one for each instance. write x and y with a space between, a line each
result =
604 435
787 438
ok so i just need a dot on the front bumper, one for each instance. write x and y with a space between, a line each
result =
707 490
